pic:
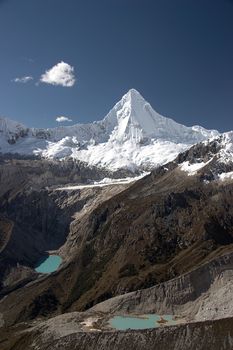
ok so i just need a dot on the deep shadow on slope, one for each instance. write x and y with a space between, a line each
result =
159 228
38 225
32 219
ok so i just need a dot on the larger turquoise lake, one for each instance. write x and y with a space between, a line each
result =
50 264
142 322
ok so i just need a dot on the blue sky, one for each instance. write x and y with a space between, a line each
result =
177 53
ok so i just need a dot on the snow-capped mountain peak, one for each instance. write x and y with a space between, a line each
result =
132 135
135 119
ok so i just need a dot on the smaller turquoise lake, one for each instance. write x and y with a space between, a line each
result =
50 264
142 322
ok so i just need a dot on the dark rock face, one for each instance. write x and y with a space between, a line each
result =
43 305
200 151
38 225
6 227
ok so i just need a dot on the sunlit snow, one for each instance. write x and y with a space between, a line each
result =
226 176
132 136
192 169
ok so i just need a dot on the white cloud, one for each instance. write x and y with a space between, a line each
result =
63 119
23 80
61 74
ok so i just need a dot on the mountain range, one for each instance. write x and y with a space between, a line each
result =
160 243
132 136
163 244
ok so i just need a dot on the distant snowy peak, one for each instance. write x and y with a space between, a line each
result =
131 136
134 118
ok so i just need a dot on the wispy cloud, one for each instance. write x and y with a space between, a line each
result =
23 80
61 74
62 119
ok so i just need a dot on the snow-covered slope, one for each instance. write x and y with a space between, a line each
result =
212 159
131 136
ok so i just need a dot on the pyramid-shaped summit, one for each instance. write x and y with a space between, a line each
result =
134 118
132 135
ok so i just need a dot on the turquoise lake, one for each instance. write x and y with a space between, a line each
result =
50 264
143 322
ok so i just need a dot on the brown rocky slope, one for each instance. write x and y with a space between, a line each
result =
162 226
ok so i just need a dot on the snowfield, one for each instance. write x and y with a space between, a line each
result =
192 169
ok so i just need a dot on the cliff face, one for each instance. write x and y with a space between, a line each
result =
38 226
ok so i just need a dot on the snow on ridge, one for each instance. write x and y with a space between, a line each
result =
105 182
222 155
210 134
108 180
131 136
226 176
192 169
